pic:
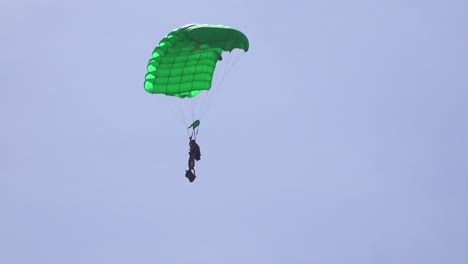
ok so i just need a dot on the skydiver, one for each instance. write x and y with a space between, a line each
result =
195 149
194 154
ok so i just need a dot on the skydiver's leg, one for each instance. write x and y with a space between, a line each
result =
191 162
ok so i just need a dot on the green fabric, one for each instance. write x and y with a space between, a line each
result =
195 124
183 63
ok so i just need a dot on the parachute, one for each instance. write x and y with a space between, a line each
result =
183 64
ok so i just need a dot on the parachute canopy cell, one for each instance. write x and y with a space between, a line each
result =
183 63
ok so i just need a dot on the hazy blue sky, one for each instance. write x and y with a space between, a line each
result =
340 137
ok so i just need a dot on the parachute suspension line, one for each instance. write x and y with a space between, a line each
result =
212 93
184 105
194 133
185 109
228 66
195 105
192 111
188 107
176 106
205 98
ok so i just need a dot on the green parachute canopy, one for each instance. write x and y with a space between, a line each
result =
183 63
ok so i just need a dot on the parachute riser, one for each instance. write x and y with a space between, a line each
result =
194 126
194 134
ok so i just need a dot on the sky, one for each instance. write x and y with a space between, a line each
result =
339 137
